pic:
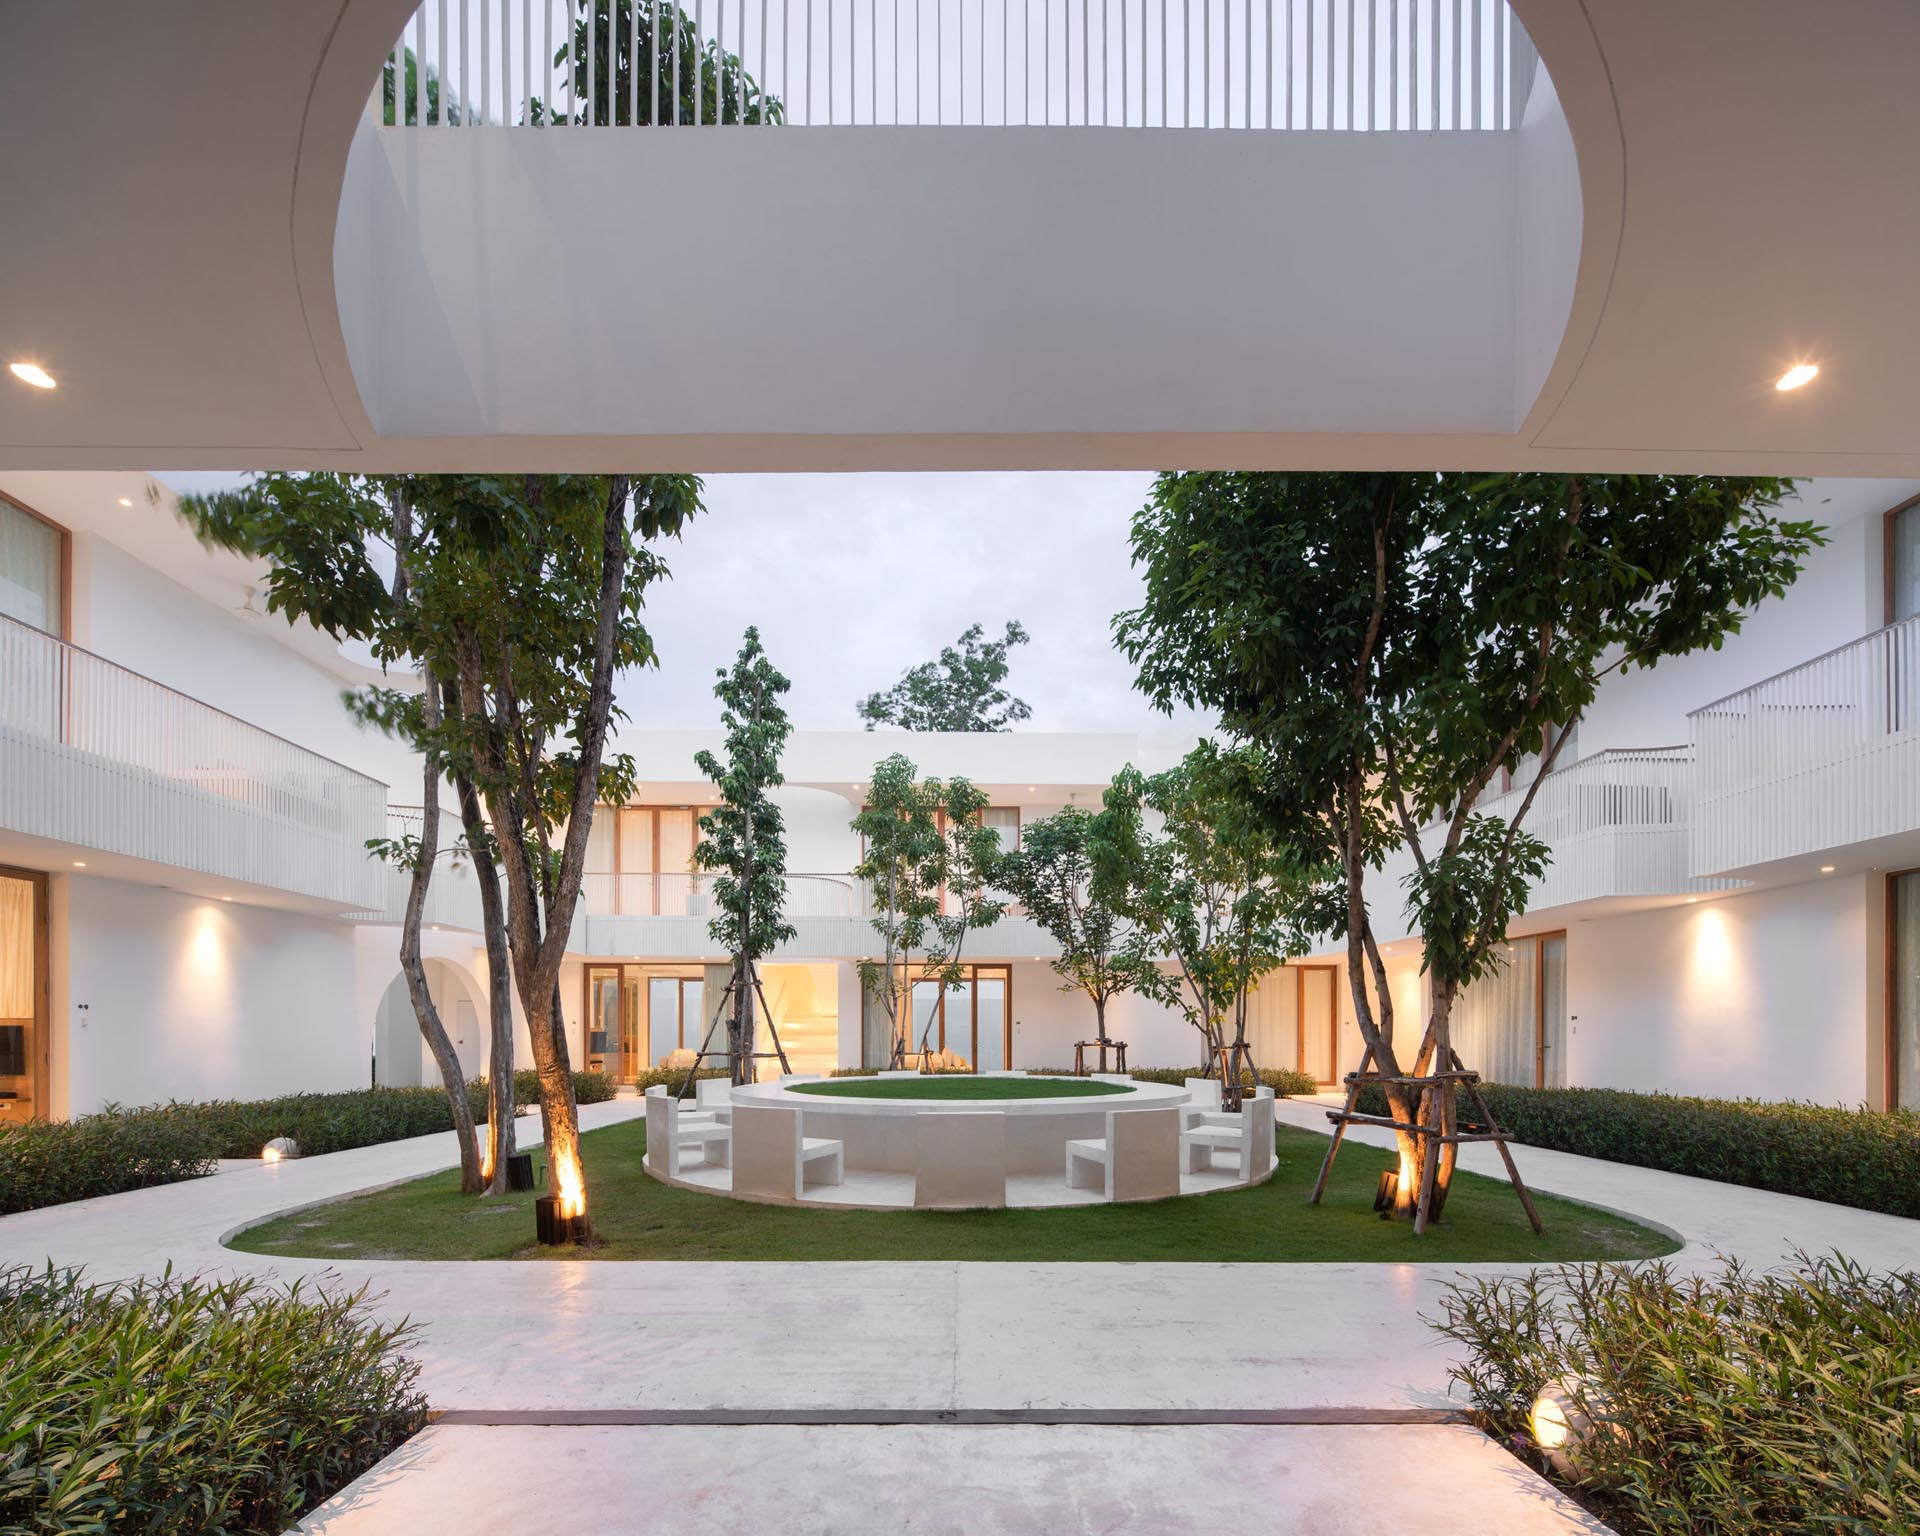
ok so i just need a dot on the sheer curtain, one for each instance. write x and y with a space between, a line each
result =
30 586
1906 991
1493 1020
16 989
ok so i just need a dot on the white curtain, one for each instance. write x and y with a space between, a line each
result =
1906 991
1494 1019
16 949
29 570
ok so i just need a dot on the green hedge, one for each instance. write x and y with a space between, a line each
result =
49 1162
1284 1082
1781 1403
1858 1157
45 1162
190 1406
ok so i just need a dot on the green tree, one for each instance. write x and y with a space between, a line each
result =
659 58
1210 888
744 837
929 864
1057 874
961 691
1395 641
524 602
416 110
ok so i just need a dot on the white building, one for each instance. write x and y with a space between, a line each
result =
187 908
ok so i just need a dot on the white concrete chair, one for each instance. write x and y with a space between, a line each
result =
669 1135
1210 1113
961 1162
1139 1159
1247 1136
772 1158
714 1096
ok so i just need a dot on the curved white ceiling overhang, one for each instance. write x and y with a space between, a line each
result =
1702 194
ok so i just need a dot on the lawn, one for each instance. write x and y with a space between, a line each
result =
960 1086
637 1217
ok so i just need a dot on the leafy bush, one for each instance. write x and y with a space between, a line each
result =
1284 1081
190 1406
48 1162
1783 1403
1859 1157
672 1077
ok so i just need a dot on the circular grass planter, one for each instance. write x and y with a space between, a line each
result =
960 1087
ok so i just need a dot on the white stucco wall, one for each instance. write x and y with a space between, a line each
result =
1775 994
166 995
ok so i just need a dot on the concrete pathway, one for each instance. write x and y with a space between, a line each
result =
1306 1342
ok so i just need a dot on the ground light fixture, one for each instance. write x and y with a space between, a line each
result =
1796 376
31 373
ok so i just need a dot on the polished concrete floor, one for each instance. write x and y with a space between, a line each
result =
1313 1341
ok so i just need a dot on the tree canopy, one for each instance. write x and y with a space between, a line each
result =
961 690
1394 642
743 839
929 864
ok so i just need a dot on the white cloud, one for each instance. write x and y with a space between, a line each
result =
854 577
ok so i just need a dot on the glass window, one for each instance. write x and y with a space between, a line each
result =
32 586
990 999
1005 820
1903 553
663 1018
21 1046
1904 1003
1496 1021
596 882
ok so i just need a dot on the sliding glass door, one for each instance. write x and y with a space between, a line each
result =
1293 1020
1903 990
636 1019
972 1020
1510 1026
23 995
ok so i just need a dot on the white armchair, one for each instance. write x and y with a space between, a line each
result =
671 1136
1246 1136
1137 1160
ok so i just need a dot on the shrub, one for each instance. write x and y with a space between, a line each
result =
672 1077
190 1406
1783 1403
1858 1157
48 1162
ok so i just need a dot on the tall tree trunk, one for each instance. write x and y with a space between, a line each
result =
493 928
452 1075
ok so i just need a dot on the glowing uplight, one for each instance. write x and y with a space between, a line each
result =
270 1154
1794 377
31 373
573 1186
1548 1421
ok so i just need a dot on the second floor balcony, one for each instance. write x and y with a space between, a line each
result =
1819 758
96 757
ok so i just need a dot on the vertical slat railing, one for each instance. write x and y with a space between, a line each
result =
1314 65
94 754
1816 758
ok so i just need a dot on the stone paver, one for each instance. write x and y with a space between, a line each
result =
949 1481
1312 1340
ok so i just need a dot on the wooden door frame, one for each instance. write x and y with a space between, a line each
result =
1300 1019
1538 940
40 1071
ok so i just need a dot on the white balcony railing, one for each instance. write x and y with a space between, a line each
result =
689 895
1816 758
453 898
1615 823
96 756
1363 65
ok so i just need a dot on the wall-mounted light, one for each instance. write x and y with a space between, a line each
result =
1796 376
31 373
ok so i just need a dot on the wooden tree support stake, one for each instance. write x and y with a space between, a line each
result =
1432 1137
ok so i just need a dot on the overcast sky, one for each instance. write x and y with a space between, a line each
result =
853 578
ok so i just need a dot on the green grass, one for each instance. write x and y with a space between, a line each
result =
638 1217
960 1086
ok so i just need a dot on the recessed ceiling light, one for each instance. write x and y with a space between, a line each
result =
126 501
31 373
1031 790
1794 377
226 898
79 863
1691 900
1826 869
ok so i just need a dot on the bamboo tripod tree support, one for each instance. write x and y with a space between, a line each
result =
738 1066
1431 1137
